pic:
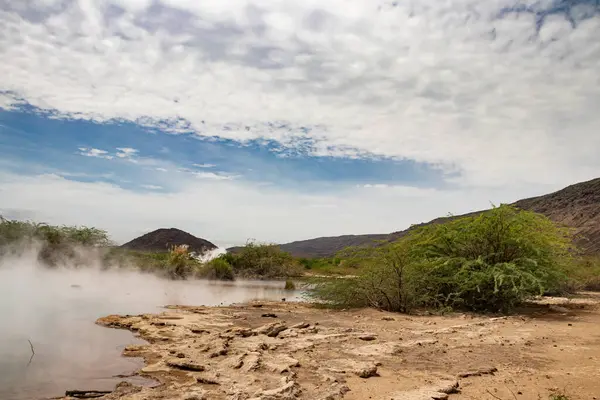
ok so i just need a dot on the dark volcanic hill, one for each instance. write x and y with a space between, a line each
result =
162 239
577 206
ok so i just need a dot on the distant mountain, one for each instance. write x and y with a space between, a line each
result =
161 240
577 206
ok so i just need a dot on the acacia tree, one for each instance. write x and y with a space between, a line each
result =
489 262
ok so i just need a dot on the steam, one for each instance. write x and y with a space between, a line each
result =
211 254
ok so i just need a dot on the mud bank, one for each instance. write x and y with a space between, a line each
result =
276 351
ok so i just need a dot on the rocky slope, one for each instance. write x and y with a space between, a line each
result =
161 239
577 206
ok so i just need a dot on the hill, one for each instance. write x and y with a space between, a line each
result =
576 206
161 239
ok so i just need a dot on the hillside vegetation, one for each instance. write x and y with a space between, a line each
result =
489 262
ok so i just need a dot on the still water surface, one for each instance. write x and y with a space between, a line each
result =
56 311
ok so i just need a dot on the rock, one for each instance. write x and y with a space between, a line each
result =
290 390
208 380
301 325
558 309
185 365
269 315
252 362
195 394
272 330
479 372
281 364
366 371
439 391
243 332
388 319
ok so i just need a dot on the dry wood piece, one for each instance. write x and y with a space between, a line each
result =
479 372
86 394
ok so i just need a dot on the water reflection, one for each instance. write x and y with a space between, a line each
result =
56 310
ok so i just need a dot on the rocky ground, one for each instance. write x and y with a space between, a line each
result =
276 351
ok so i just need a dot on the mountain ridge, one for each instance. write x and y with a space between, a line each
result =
576 206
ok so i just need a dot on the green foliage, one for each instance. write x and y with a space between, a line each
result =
263 261
289 285
217 268
386 280
558 396
328 266
582 274
178 261
490 262
58 243
12 231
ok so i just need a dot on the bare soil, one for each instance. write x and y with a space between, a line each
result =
276 351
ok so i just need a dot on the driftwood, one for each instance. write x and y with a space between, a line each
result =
87 394
32 352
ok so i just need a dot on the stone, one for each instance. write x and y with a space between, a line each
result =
271 330
300 325
185 365
366 371
439 391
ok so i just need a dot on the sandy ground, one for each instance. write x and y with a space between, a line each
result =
274 351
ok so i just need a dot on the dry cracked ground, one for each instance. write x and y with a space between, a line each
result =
277 351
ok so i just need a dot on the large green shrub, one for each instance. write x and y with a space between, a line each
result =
264 261
217 268
490 262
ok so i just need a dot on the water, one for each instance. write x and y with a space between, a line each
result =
56 311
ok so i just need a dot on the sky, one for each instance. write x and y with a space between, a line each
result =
281 120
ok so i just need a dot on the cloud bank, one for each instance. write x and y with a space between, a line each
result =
493 92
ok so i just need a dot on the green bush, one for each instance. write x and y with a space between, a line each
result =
58 243
289 285
218 268
490 262
263 261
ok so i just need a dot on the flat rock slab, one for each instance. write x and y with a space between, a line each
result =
439 391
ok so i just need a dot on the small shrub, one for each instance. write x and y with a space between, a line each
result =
218 268
263 261
289 285
178 261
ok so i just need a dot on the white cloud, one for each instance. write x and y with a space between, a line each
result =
445 83
98 153
161 169
152 187
204 165
126 152
213 210
214 176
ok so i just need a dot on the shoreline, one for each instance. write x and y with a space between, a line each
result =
282 350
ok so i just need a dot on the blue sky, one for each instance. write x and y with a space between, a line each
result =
278 120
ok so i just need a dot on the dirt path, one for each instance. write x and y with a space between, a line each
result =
294 351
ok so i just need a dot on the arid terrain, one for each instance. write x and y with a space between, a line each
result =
273 351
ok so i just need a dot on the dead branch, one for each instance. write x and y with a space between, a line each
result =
32 352
86 394
493 395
